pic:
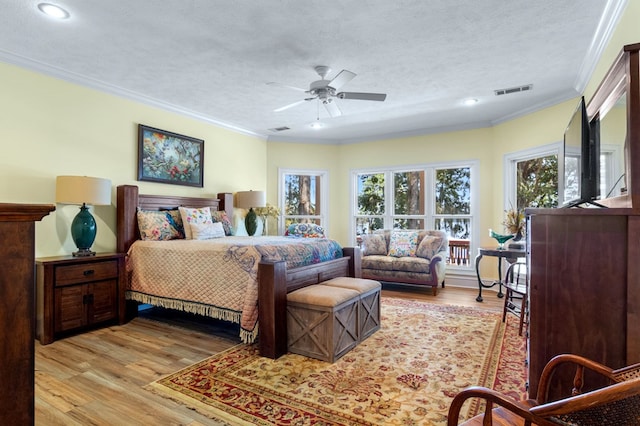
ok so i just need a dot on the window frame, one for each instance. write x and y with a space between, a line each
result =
509 166
429 199
323 217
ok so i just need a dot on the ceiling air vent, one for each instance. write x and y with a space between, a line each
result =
510 90
280 129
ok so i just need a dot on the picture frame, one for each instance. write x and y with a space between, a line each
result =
168 157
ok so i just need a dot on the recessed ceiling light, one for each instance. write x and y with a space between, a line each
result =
317 125
53 11
470 101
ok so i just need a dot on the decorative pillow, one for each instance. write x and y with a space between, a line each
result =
222 217
403 243
192 215
429 246
157 226
206 231
174 215
306 230
374 244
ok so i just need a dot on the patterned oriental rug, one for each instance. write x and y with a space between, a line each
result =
405 374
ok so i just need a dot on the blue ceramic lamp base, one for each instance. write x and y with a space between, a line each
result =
83 232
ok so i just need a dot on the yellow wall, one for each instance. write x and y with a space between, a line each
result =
488 145
49 127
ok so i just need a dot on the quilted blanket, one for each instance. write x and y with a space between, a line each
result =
216 278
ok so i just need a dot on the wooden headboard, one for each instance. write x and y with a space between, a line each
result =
128 200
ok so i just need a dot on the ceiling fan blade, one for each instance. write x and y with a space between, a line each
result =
332 107
292 105
341 79
273 83
362 96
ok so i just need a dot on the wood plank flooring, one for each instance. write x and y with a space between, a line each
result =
99 377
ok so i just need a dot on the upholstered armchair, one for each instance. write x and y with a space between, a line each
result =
616 404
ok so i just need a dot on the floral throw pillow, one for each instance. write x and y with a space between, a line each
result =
219 216
193 215
403 243
429 246
157 226
374 244
206 231
306 230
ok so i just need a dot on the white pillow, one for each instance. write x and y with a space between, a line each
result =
206 231
191 216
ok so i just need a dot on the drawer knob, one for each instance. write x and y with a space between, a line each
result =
88 272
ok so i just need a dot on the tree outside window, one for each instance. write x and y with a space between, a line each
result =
453 202
537 182
302 199
371 203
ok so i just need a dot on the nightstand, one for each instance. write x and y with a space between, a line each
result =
76 293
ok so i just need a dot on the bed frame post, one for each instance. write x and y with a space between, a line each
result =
272 305
127 202
355 261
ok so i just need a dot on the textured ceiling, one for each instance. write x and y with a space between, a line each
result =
213 59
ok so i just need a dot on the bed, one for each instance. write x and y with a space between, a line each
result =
267 265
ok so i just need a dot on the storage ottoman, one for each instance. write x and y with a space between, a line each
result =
322 321
369 310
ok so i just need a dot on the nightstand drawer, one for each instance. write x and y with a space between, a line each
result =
88 271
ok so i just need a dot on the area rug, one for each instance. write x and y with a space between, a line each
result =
405 374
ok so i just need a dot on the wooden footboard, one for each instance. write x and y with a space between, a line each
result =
275 281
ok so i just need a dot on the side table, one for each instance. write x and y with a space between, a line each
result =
77 292
509 254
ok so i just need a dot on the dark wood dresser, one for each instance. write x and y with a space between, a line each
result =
17 312
584 294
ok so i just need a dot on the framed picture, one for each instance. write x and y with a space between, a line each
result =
168 157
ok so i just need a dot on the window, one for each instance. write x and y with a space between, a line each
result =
302 197
422 197
532 177
453 202
537 182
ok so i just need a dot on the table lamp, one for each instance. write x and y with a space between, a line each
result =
83 190
249 200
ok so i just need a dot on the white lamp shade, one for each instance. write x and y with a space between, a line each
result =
249 199
83 189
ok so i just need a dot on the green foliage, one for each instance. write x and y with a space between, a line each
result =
407 189
371 195
537 182
453 191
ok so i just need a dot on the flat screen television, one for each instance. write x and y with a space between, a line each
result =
581 159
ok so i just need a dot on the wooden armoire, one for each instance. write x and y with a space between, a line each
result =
584 263
17 310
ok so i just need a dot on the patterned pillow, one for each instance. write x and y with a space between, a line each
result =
192 215
157 226
429 246
222 217
206 231
403 243
175 219
306 230
374 244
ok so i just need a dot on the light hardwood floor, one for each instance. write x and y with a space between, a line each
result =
99 377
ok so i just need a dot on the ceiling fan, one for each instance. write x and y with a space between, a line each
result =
326 91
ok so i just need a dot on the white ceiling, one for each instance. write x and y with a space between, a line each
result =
213 59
